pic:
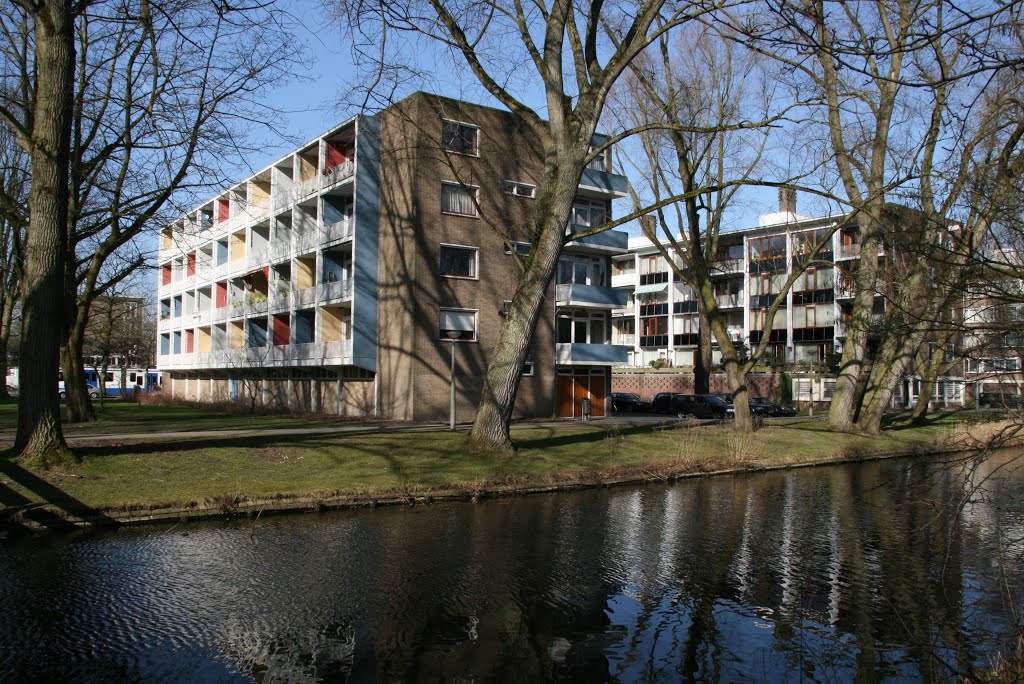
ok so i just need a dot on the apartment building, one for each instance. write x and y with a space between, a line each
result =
344 277
661 323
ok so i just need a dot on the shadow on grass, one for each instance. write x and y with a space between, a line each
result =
18 507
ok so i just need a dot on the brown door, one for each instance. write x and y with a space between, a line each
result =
597 395
565 395
580 393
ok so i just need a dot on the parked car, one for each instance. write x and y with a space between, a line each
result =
771 408
702 406
999 400
662 402
627 402
92 390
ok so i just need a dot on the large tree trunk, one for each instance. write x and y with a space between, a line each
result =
39 437
77 406
929 380
6 317
888 367
845 397
702 359
501 381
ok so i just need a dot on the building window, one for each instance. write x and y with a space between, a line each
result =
528 368
458 199
521 248
589 213
458 262
458 325
519 189
599 162
460 138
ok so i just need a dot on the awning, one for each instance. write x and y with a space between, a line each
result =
650 289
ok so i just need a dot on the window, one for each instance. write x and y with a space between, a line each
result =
521 248
600 162
458 199
589 213
458 324
581 270
580 328
528 368
459 137
519 189
458 262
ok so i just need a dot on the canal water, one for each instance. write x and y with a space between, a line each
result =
894 570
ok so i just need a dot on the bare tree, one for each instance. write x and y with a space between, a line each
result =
43 130
561 50
696 78
13 221
903 84
164 98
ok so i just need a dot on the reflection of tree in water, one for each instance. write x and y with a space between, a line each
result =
842 573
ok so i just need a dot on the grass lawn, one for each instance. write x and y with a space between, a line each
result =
119 417
255 472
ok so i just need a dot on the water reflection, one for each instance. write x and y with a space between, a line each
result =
859 572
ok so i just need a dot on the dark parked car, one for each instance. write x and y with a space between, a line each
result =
662 402
702 406
627 402
999 400
768 407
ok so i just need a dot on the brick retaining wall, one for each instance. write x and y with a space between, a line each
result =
647 384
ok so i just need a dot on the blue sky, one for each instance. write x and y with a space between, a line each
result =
313 103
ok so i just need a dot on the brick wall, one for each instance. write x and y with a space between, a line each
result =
647 384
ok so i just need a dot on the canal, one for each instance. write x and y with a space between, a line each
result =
891 570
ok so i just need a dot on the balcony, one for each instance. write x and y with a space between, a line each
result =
848 252
624 279
729 301
726 266
339 173
258 212
340 289
594 181
305 296
255 305
305 188
627 312
258 257
280 251
590 296
307 241
281 301
573 354
624 339
220 314
607 242
201 317
339 230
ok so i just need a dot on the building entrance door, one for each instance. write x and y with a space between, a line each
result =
581 384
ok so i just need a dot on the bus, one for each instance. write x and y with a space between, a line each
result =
136 380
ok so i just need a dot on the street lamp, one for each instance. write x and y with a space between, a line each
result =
452 336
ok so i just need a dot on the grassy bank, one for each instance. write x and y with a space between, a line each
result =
212 475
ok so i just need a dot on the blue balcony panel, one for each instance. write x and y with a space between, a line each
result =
591 296
591 354
603 184
607 242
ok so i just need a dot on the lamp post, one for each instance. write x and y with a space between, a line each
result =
452 336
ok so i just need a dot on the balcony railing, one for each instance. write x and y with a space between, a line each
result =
339 349
339 173
280 250
258 256
258 212
339 230
279 302
340 289
591 354
256 306
729 301
201 317
307 240
305 188
727 266
573 294
848 251
305 297
220 314
281 199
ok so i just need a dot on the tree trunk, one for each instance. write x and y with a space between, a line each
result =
845 399
77 406
102 374
39 437
702 359
501 381
886 370
929 380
